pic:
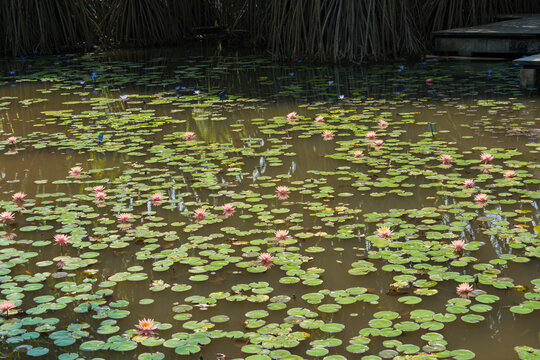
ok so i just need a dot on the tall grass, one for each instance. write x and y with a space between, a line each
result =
318 29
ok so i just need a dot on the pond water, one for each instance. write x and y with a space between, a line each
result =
338 285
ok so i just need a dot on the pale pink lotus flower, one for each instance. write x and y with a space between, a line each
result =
464 289
99 188
265 258
189 135
199 214
319 119
371 135
486 157
281 234
469 183
481 198
18 196
379 142
146 327
385 232
486 170
228 209
429 82
446 159
383 124
100 195
282 192
509 174
12 140
75 171
291 115
7 216
358 154
61 239
124 217
458 245
157 197
5 306
327 135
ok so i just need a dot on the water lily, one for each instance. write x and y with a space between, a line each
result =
319 119
100 195
371 135
265 258
458 245
18 196
486 157
199 214
75 171
383 124
379 142
99 188
481 198
146 327
12 140
61 239
429 82
5 306
469 183
464 289
282 192
509 174
358 154
385 232
124 217
446 159
291 115
281 234
189 135
228 209
327 135
7 216
157 197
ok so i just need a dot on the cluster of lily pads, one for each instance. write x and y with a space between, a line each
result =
170 224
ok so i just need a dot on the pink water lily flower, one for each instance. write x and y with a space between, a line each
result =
429 82
99 188
228 209
265 258
189 135
379 142
358 154
292 115
61 239
458 245
486 157
157 197
281 234
319 119
464 289
371 135
100 196
12 140
124 217
383 124
75 171
5 306
282 192
146 327
509 174
385 232
7 216
481 198
469 183
199 214
18 196
327 135
446 159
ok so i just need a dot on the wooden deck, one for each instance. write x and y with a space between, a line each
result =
520 36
